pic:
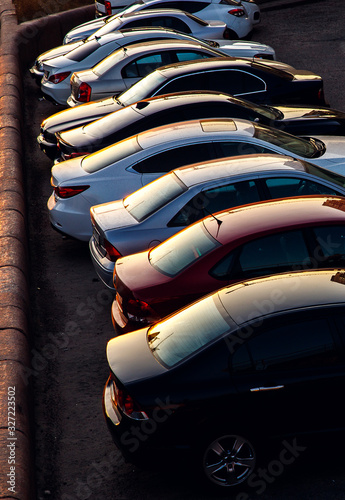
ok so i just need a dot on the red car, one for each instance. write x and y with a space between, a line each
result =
254 240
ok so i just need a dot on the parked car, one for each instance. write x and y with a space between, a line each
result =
58 64
267 82
185 195
116 171
110 7
217 382
170 108
240 243
122 68
236 16
168 18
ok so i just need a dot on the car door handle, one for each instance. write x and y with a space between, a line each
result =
273 388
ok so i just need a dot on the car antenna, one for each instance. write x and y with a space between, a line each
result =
219 222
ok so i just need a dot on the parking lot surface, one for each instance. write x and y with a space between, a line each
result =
70 320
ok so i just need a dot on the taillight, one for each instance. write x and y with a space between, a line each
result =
107 6
59 77
237 12
84 92
69 191
122 400
74 155
112 254
139 308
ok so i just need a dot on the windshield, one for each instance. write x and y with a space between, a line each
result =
183 334
110 26
142 89
322 173
105 157
83 50
109 62
296 145
182 249
147 200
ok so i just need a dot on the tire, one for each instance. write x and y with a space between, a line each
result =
228 460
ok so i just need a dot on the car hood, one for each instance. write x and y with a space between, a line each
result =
136 272
244 48
291 112
130 358
80 115
112 215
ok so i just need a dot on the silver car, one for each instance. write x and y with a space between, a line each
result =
165 206
169 18
126 66
103 52
120 169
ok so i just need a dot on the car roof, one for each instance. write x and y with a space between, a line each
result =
292 290
212 170
160 44
275 215
194 129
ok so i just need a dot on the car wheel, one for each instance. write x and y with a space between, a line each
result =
229 460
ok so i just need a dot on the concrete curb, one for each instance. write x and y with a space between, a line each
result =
19 47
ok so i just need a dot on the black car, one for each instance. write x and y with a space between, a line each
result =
170 108
260 359
265 82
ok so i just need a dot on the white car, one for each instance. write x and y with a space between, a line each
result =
239 19
208 9
187 194
167 18
116 171
112 66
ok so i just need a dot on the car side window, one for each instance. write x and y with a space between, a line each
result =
176 157
214 200
189 55
144 65
189 82
262 256
282 187
236 82
238 148
331 246
295 345
170 22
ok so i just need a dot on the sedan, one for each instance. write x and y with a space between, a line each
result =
120 169
187 194
121 69
260 82
237 18
169 18
254 240
57 65
268 82
217 382
169 108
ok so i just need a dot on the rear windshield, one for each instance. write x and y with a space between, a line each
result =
196 19
142 89
147 200
183 334
182 250
80 53
322 173
109 27
109 62
107 156
296 145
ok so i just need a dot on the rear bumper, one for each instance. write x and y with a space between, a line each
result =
103 266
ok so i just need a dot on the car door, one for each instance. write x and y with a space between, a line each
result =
290 372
